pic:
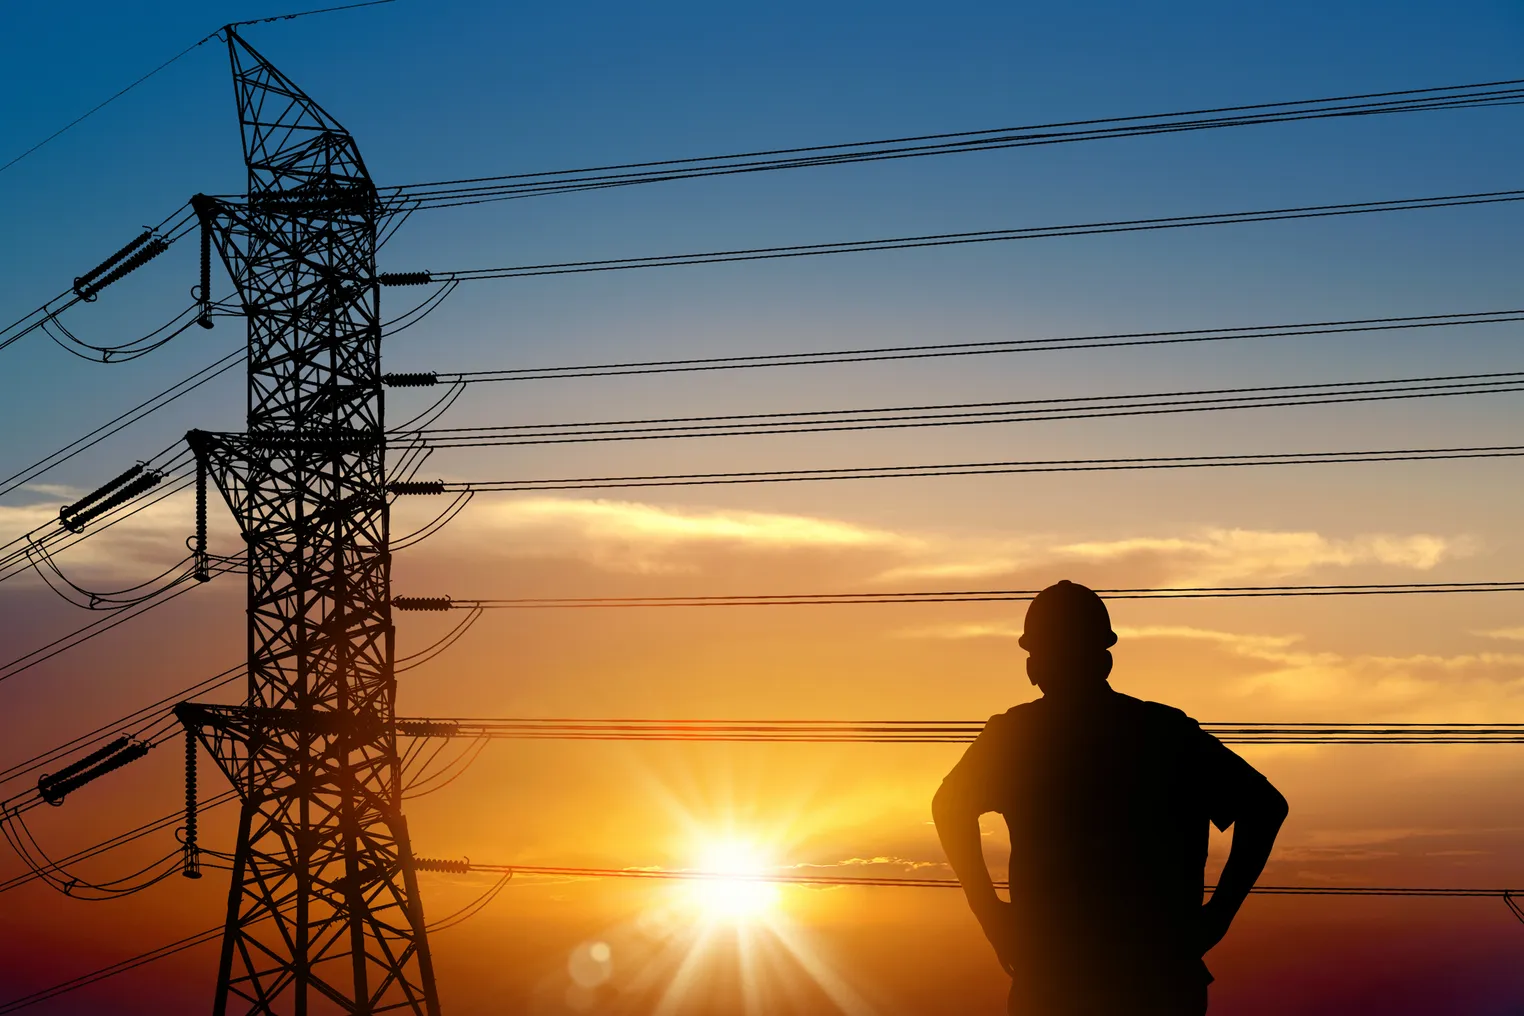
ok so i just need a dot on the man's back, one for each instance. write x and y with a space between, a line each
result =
1107 798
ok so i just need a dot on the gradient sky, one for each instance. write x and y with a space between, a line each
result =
445 90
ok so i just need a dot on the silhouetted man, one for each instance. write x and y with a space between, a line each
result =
1107 798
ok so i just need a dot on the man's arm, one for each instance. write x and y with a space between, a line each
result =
1259 818
957 823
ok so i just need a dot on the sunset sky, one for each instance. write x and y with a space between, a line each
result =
437 91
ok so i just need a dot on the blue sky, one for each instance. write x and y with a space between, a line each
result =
437 91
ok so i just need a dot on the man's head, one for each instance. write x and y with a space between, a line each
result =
1068 637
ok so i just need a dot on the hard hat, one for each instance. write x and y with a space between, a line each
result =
1067 615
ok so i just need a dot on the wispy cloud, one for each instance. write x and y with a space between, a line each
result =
1511 634
1468 686
153 538
630 536
635 536
1207 557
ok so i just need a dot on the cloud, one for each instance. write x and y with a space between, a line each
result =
1346 845
634 536
151 539
1277 670
859 863
970 630
1465 686
1208 557
630 536
1511 634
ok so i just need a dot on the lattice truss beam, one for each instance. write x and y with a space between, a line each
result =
323 911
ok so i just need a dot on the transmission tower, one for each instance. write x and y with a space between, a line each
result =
323 911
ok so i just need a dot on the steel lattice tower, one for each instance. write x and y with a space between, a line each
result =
323 911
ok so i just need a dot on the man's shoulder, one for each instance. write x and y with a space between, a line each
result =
1022 712
1155 713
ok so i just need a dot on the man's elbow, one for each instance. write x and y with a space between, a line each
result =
941 805
1273 806
946 807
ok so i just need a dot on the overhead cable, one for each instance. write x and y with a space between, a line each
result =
174 590
172 228
442 603
979 236
796 878
922 731
966 469
974 413
478 190
140 719
942 349
120 422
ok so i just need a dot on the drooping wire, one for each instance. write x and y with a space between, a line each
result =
426 783
87 599
66 340
418 659
174 226
21 840
441 520
475 907
55 535
414 315
122 839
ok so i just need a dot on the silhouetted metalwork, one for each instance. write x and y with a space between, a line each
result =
323 910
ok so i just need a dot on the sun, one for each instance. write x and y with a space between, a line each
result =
731 889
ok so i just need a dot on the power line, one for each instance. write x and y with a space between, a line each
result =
304 14
102 625
928 351
106 102
978 236
157 239
153 712
973 413
563 871
120 422
967 469
122 967
16 555
286 17
147 717
477 190
923 731
417 603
